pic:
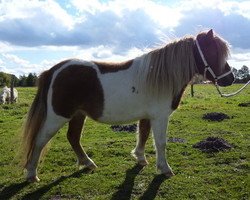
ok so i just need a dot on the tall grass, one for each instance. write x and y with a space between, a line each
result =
223 175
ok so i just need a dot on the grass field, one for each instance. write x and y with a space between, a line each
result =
223 175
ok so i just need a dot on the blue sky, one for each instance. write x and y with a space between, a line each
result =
35 35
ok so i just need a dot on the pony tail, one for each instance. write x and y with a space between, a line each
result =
35 118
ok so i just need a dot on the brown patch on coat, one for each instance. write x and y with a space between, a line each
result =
75 88
108 67
176 100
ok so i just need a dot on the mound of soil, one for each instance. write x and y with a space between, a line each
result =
176 140
247 104
215 116
131 128
212 144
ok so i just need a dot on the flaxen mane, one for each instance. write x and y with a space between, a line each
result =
169 68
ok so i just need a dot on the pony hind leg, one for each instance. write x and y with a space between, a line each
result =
143 134
74 136
52 124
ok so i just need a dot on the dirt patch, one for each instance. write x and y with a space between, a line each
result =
176 140
247 104
215 116
131 128
213 144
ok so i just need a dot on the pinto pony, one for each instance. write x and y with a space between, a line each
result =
147 88
5 95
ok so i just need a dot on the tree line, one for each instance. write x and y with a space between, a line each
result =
242 75
22 81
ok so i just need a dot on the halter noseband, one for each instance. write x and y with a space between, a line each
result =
208 68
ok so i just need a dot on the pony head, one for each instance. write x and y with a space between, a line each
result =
211 53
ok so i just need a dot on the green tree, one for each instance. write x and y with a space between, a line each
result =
31 80
22 81
244 72
242 75
4 79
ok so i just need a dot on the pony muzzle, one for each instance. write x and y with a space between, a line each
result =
227 78
223 80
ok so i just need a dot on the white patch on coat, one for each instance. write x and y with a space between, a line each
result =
124 101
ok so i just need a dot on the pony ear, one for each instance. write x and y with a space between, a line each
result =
210 34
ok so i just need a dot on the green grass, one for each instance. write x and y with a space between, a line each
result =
223 175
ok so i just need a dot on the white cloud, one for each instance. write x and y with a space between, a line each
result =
28 23
106 53
110 30
16 60
20 66
35 12
13 64
244 9
118 22
87 6
5 47
158 12
240 57
3 69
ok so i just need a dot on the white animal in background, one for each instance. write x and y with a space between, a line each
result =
5 95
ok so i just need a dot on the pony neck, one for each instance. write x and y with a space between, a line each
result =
167 70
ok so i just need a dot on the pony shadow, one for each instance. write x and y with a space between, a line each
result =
37 194
12 190
125 189
153 187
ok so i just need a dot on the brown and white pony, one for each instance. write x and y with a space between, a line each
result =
147 88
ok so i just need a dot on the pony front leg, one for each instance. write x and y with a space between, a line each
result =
159 127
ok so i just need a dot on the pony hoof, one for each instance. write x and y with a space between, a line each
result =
143 162
33 179
88 169
169 174
91 166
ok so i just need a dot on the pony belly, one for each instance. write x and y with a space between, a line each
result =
122 115
118 119
122 106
